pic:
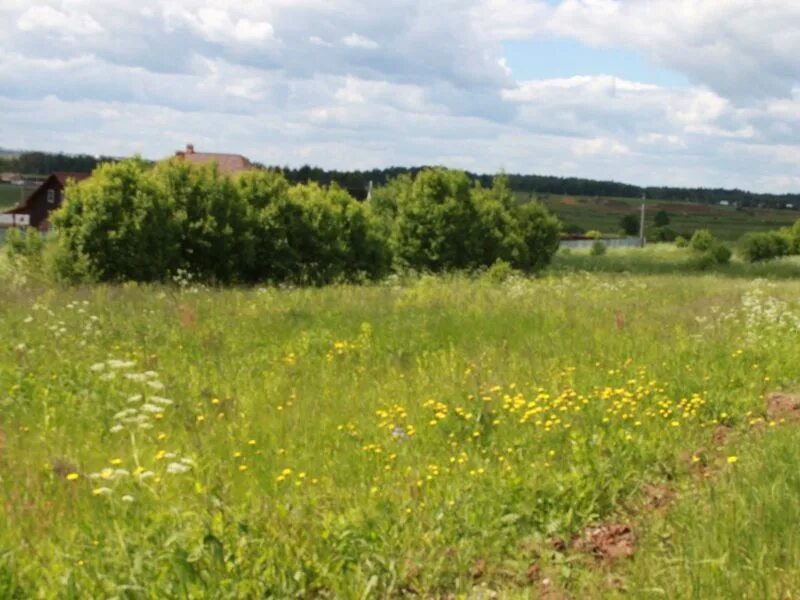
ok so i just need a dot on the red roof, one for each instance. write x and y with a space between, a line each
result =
63 176
229 164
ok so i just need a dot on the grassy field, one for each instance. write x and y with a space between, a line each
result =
725 222
439 437
11 195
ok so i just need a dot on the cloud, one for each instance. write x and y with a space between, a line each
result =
410 82
355 40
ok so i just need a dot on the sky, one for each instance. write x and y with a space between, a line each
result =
652 92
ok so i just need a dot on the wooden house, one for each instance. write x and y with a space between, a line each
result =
35 210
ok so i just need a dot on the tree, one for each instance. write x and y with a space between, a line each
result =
661 218
630 224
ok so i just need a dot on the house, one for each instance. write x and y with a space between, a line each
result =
229 164
35 210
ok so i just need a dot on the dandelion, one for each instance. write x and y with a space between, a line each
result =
252 442
116 461
243 467
732 459
72 476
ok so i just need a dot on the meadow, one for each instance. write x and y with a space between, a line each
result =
725 222
572 435
12 195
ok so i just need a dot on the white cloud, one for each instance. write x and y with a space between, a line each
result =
410 82
355 40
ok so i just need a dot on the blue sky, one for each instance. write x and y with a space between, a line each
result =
663 92
555 57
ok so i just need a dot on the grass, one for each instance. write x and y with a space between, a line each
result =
428 437
668 259
12 195
725 222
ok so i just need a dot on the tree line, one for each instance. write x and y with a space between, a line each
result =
43 163
131 221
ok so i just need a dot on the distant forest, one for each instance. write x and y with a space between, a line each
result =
44 163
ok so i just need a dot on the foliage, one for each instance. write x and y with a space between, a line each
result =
594 234
662 234
681 242
599 248
702 240
630 224
661 219
443 222
760 246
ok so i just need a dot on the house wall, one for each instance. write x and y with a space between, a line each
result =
39 207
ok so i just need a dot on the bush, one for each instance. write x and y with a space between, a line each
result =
761 246
599 248
702 240
499 272
661 219
720 253
662 234
594 234
443 223
630 224
793 235
681 242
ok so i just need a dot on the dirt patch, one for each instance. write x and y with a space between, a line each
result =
608 541
657 496
720 434
783 407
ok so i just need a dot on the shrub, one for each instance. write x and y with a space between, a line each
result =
681 242
599 248
793 235
434 222
540 232
443 222
761 246
499 272
702 240
662 234
630 224
594 234
720 253
661 218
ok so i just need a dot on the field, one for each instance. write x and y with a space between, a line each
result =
11 195
577 435
725 222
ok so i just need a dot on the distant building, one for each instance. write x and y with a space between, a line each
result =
229 164
35 210
724 203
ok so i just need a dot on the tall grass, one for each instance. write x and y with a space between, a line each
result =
426 437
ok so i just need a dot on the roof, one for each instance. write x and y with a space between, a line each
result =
64 176
228 164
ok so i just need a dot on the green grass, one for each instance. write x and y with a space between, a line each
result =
12 195
423 437
664 259
725 222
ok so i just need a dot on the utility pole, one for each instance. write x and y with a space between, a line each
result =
641 224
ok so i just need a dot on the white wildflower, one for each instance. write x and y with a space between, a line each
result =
138 377
127 498
120 364
119 473
102 491
28 319
98 367
160 400
175 468
151 408
156 385
135 398
116 429
108 377
144 475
